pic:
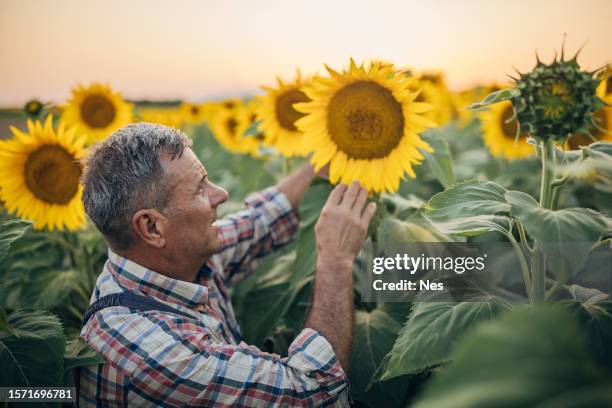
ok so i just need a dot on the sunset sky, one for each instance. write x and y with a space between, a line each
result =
207 49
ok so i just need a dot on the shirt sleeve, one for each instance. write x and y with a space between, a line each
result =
180 368
268 222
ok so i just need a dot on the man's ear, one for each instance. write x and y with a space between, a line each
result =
151 226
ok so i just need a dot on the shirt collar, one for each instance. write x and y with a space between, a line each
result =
134 276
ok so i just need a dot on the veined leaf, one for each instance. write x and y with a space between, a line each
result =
78 354
10 231
375 333
595 168
34 355
593 310
555 229
440 161
533 357
429 335
494 97
469 208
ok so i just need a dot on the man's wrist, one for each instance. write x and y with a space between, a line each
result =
340 264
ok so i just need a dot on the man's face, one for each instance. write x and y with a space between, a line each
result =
193 207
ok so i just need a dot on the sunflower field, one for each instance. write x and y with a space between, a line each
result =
527 163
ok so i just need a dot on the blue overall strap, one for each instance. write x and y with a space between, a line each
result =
131 300
126 299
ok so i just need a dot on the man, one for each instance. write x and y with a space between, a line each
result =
150 197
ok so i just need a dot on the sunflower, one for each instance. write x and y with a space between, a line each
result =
225 125
365 122
278 115
604 89
97 110
39 175
499 129
246 117
33 108
168 117
431 94
602 118
193 113
434 84
463 99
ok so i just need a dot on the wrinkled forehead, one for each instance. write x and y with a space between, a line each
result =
186 169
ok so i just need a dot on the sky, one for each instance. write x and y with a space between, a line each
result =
199 49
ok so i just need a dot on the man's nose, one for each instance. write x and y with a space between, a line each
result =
220 196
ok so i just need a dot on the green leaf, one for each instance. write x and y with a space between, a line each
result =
375 333
440 161
253 129
494 97
532 357
595 168
393 232
469 208
48 289
593 310
4 324
429 335
34 355
554 229
80 354
10 231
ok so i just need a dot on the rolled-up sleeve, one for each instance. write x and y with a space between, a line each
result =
191 369
268 222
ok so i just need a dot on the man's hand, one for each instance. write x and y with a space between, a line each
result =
339 233
343 224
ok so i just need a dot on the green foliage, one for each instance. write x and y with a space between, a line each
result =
469 208
429 335
78 354
375 333
495 97
556 228
32 353
440 161
10 231
533 357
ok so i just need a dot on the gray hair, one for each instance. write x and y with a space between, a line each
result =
123 174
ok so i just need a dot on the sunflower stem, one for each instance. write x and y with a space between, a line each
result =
524 267
546 189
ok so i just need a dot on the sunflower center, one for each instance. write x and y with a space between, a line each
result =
231 124
33 107
509 127
97 111
52 174
365 120
195 110
285 113
555 98
609 86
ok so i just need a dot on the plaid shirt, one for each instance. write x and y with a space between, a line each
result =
159 359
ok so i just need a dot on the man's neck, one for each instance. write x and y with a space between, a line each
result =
175 267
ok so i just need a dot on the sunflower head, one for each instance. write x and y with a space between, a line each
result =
168 117
601 129
193 113
364 122
97 110
33 108
278 116
229 124
501 132
556 100
39 175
